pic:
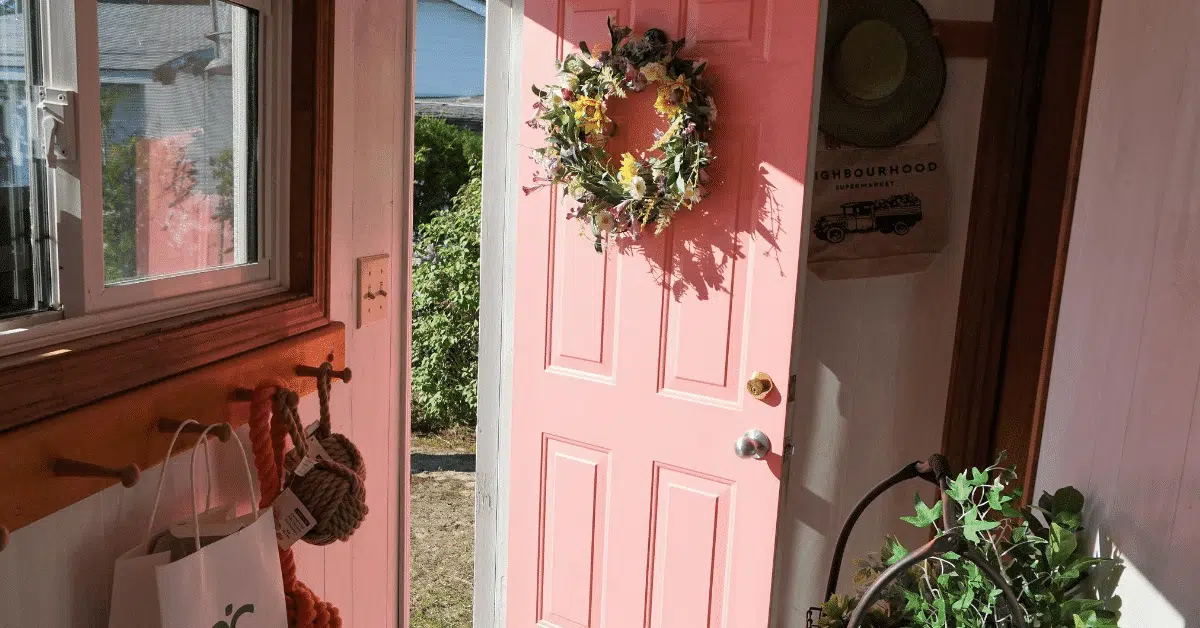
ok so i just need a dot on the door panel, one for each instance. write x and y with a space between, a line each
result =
573 524
689 548
628 506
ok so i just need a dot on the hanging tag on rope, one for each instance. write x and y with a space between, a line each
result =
317 450
292 519
304 466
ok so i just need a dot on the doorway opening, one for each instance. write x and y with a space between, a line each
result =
448 147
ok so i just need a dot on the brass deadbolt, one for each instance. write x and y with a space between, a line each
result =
759 385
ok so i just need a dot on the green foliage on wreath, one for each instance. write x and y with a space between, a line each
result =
1037 549
645 190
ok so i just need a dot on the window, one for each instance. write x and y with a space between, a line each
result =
19 249
143 161
71 333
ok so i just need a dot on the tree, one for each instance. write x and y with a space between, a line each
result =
445 159
445 328
118 192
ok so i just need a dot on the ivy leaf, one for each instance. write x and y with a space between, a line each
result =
964 602
960 489
584 47
925 516
895 551
978 478
973 525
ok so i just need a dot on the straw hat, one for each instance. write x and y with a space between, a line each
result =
884 72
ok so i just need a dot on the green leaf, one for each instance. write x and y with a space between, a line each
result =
925 516
972 525
1062 545
584 47
960 489
895 551
1067 500
978 477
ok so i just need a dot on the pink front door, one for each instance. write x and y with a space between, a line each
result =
628 505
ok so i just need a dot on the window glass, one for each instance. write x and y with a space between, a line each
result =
178 113
19 265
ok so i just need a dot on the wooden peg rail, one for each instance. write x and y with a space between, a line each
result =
67 468
96 446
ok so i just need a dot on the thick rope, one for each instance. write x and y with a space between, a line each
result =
334 494
304 608
339 448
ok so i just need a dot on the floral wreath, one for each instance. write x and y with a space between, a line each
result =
647 189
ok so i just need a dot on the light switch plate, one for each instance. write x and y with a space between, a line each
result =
374 286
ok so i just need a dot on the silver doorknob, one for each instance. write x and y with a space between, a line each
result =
752 444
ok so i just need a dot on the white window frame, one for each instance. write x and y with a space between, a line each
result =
86 305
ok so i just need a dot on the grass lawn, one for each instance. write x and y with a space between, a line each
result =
443 529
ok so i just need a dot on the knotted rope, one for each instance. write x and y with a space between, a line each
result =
336 445
304 608
334 494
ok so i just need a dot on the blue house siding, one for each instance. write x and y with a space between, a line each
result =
450 39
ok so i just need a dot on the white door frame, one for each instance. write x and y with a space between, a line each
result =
501 129
502 117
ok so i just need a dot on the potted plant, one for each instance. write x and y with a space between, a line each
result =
955 580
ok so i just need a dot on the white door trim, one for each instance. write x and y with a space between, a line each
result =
501 127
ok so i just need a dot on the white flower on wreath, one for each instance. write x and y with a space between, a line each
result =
556 99
637 188
605 221
693 195
654 72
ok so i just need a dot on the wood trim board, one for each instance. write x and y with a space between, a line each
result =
122 430
1026 173
964 38
1041 262
1005 140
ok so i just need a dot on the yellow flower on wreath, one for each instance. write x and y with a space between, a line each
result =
629 168
673 96
590 114
654 72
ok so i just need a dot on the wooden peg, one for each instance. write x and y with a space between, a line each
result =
223 431
65 467
314 371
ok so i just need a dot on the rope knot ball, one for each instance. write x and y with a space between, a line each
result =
334 489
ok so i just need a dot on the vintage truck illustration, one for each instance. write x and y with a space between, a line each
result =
894 214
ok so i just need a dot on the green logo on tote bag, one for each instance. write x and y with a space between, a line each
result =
232 623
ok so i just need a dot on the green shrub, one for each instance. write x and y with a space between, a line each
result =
445 158
445 328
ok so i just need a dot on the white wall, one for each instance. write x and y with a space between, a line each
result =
57 572
874 372
1123 415
450 42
